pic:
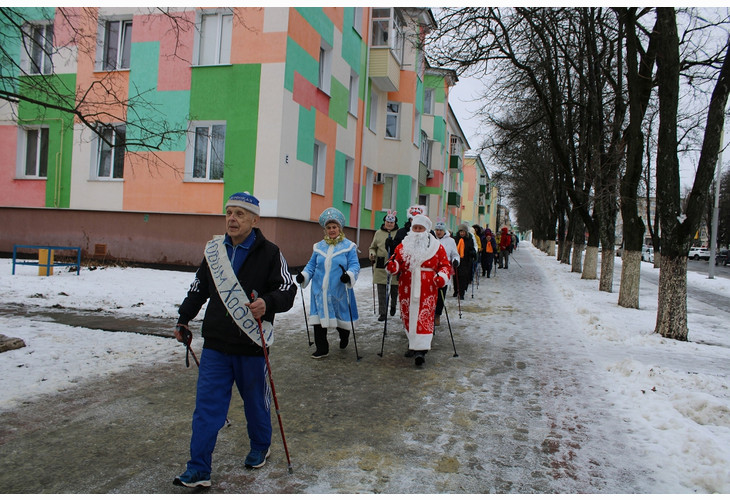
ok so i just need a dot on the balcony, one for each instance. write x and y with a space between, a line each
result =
384 69
454 199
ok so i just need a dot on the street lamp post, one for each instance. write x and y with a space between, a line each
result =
716 208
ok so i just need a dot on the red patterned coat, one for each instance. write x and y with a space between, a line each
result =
418 287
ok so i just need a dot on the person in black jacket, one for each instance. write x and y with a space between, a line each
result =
245 280
468 253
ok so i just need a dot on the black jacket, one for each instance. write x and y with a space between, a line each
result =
264 270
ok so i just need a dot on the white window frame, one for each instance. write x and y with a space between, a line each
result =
392 119
24 153
37 58
373 122
221 45
123 41
211 151
456 145
354 93
390 192
425 148
349 180
114 150
325 67
428 101
368 203
416 128
319 167
357 20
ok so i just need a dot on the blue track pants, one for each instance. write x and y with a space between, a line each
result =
218 372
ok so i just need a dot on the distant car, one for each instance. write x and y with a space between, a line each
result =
647 254
721 258
698 253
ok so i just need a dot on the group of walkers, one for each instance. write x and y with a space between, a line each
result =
246 280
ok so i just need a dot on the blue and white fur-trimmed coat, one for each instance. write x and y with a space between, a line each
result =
328 305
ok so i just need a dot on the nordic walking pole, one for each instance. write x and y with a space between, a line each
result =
305 316
449 323
513 258
254 296
373 268
458 292
385 325
352 323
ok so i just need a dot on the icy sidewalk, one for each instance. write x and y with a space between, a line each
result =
551 393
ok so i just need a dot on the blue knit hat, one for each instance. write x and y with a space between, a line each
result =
244 200
332 215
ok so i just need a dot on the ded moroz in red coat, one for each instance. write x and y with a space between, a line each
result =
418 285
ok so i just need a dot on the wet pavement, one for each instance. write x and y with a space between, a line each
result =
505 416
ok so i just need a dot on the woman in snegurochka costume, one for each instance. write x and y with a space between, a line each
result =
332 270
380 250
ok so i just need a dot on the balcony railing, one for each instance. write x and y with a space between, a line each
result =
454 199
384 69
455 162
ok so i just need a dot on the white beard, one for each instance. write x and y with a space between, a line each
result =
416 248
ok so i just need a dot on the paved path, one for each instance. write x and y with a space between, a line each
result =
508 415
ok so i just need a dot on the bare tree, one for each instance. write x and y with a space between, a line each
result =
678 228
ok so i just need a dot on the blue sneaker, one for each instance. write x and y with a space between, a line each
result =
193 479
256 459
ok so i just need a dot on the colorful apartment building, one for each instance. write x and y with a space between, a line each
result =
124 130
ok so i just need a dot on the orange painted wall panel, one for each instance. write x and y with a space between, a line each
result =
304 34
158 188
250 44
325 131
407 90
336 15
117 81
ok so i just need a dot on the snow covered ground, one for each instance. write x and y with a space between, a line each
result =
676 393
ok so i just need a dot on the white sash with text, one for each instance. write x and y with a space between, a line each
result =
232 294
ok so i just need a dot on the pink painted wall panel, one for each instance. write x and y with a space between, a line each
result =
176 47
13 192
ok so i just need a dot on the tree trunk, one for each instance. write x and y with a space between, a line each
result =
671 318
577 264
551 248
590 266
566 251
630 271
607 267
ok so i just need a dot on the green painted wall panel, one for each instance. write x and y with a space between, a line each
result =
12 42
339 102
338 186
151 112
352 42
436 83
404 197
439 130
235 100
299 61
305 135
60 133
